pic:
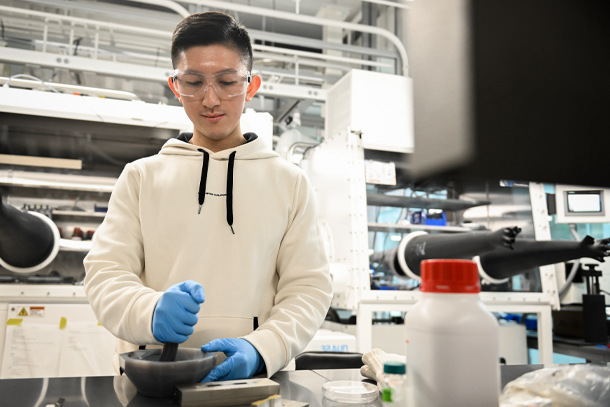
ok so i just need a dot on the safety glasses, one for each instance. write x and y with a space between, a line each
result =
194 85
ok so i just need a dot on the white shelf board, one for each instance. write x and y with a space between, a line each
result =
42 292
85 214
96 109
69 245
393 227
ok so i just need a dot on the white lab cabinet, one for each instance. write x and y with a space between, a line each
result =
377 105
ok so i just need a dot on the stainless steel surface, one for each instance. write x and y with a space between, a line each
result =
109 391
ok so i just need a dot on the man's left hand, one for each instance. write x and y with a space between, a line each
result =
243 360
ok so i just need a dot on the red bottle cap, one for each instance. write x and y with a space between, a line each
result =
449 276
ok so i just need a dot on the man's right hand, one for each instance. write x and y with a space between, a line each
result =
176 312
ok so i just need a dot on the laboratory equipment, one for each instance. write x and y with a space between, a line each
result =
347 391
226 393
581 204
394 391
156 378
500 254
29 240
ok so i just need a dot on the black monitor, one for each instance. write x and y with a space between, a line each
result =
577 204
516 90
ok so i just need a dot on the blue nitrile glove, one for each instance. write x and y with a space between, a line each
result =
243 360
176 312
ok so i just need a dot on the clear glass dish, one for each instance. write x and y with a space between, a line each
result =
350 391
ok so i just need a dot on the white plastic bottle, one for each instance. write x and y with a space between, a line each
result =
452 340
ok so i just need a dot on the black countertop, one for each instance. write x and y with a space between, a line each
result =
573 347
117 391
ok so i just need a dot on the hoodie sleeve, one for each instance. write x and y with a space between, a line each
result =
115 264
304 290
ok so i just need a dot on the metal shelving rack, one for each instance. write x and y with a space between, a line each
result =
423 203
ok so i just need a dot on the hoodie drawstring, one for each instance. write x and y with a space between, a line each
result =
230 191
204 177
229 194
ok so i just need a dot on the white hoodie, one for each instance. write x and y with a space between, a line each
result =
271 272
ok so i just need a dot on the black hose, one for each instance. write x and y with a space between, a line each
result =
25 240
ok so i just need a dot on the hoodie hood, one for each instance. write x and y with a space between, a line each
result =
252 149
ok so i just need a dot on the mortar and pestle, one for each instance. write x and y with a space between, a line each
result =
156 372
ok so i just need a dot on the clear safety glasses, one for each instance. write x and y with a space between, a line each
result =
226 84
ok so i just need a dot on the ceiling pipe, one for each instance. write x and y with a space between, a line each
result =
282 15
152 73
165 34
313 55
172 5
390 3
86 22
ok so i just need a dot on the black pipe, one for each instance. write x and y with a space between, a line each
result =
458 246
447 246
529 254
25 239
501 254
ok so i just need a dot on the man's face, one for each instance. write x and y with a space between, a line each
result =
215 116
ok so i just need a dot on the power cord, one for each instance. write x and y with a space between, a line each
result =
26 76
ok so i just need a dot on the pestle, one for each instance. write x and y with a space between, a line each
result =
169 352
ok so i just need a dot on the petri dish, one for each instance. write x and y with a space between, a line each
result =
350 391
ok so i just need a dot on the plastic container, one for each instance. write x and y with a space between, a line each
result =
394 390
452 340
350 392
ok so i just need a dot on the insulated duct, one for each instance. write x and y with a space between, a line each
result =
29 241
499 253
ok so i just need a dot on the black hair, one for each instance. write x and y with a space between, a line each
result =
210 28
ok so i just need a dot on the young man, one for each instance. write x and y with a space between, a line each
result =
213 241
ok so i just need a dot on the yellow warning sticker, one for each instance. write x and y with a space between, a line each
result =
23 312
63 322
14 321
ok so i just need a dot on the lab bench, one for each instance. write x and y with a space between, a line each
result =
117 391
573 347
